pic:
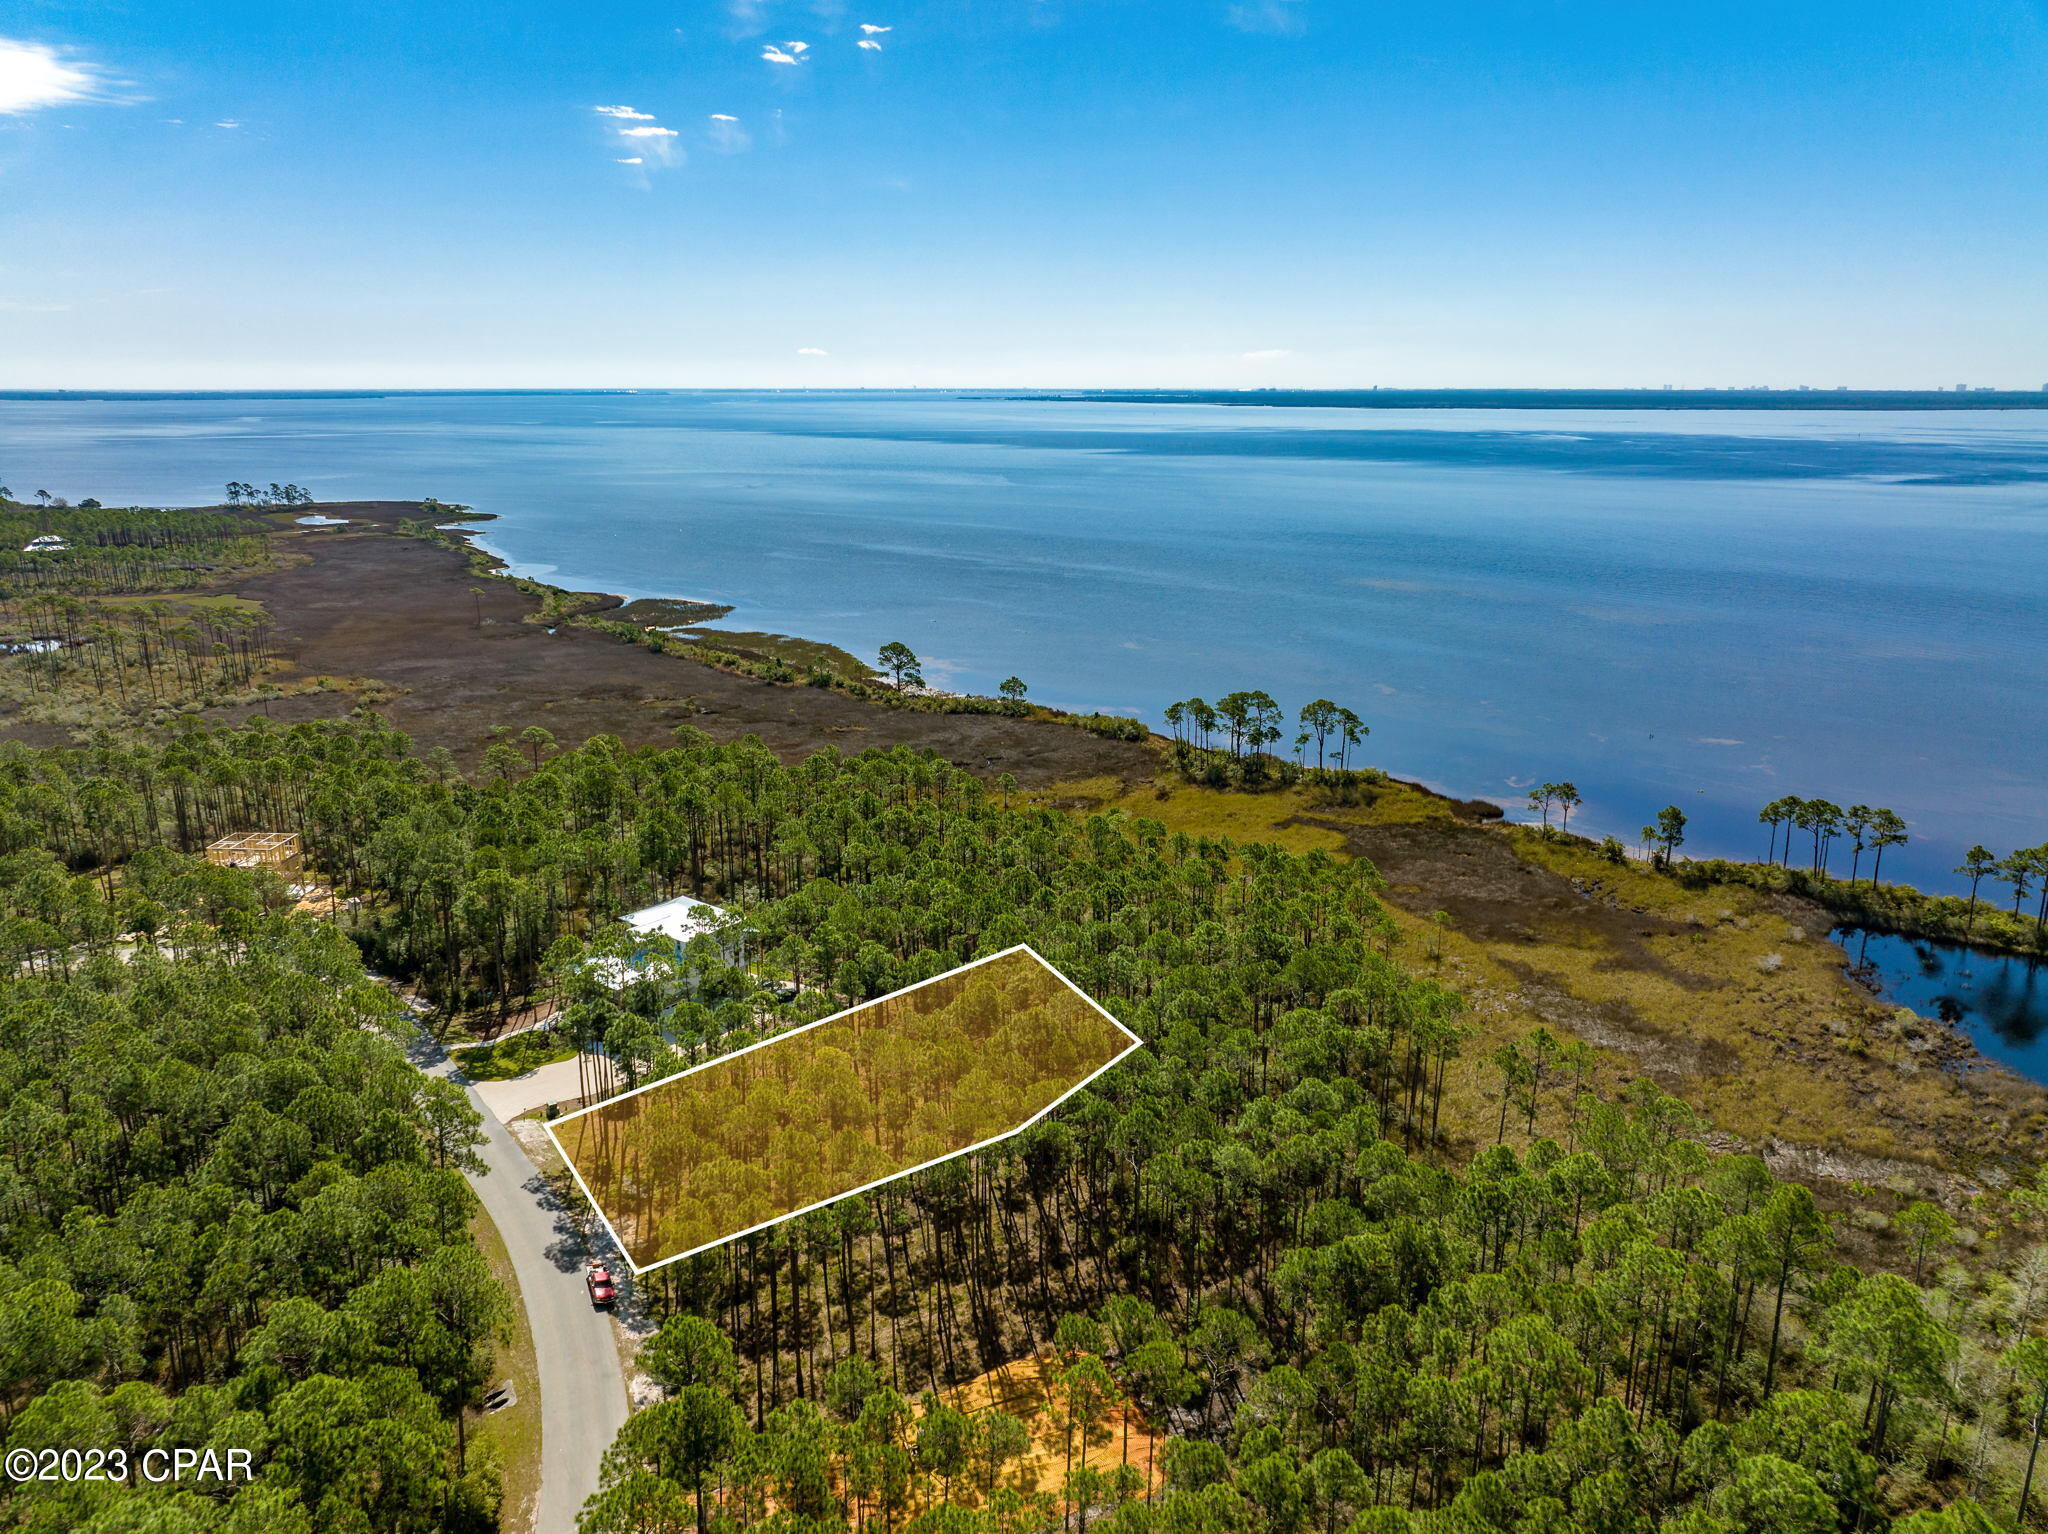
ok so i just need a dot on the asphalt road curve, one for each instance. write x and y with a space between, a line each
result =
583 1399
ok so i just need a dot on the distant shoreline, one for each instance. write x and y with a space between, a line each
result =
1323 399
1570 399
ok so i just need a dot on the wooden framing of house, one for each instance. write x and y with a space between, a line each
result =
256 849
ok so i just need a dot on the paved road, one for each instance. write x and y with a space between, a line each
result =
558 1082
582 1387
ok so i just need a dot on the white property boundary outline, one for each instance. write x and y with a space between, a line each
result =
1051 969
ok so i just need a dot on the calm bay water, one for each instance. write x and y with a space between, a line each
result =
2001 1001
1706 608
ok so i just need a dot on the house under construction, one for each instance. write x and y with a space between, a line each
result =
257 849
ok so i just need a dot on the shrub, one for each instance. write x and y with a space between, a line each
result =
1111 726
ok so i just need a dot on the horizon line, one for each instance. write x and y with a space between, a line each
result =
349 391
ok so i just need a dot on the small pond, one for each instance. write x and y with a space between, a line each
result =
2000 1001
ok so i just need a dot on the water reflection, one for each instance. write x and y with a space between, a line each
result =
2001 1002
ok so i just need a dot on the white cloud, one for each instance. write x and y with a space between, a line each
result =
626 112
33 76
652 145
727 136
798 47
870 44
1282 18
871 29
1267 354
228 122
812 351
723 117
775 55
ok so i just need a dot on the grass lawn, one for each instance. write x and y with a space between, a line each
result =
512 1436
506 1058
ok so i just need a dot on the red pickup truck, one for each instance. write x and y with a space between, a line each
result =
599 1282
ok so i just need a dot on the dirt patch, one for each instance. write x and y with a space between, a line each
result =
1494 896
1809 1164
456 651
33 732
1027 1389
1674 1061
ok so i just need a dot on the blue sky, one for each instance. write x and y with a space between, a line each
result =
1026 192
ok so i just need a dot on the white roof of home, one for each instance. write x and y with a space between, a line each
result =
681 918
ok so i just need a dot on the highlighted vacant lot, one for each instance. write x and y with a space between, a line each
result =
833 1108
1032 1391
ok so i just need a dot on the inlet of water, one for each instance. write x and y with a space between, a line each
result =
1999 1000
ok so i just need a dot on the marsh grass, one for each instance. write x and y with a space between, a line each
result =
1729 996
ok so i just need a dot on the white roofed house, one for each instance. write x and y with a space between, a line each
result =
658 968
648 970
679 920
662 935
